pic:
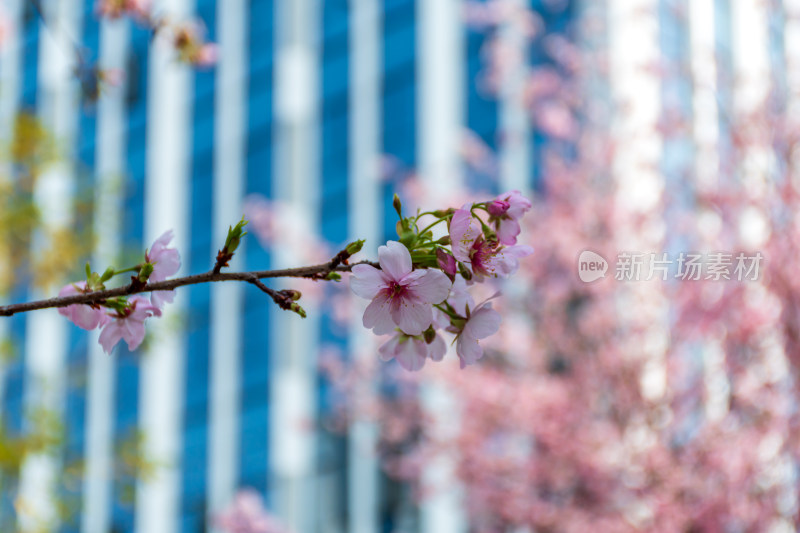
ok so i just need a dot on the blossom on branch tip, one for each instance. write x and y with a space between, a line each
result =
401 297
411 351
189 41
505 212
128 324
82 315
166 262
117 8
486 257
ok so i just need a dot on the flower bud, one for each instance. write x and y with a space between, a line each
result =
235 235
333 276
464 271
292 294
297 309
497 208
107 275
398 206
429 335
145 271
446 262
354 247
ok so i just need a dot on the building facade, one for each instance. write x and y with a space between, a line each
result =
308 103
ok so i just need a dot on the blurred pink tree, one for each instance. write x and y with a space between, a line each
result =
557 429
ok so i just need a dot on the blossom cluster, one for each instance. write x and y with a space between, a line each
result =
187 38
422 286
247 514
123 318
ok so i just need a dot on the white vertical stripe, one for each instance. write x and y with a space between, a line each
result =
169 134
440 107
440 118
702 30
634 46
365 223
294 344
752 74
110 141
515 153
226 301
47 335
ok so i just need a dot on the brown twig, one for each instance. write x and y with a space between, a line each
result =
254 277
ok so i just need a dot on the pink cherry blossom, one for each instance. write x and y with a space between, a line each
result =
166 262
411 351
247 514
117 8
482 322
401 297
505 212
464 231
207 55
82 315
128 325
486 258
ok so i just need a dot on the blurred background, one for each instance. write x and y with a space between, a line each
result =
649 126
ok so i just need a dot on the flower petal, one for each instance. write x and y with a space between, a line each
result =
366 281
431 287
395 259
412 318
377 315
389 348
437 349
133 333
411 354
468 350
464 230
507 231
484 321
160 298
110 336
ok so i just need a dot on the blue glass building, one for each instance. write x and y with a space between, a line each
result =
308 97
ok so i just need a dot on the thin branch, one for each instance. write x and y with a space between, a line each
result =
319 272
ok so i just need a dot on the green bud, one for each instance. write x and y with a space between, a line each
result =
292 294
119 303
429 335
355 247
444 241
297 309
235 235
333 276
458 323
107 275
465 273
398 206
145 271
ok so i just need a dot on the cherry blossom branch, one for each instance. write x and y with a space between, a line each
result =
319 272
